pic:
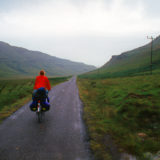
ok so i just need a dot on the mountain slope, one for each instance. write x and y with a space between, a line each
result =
16 61
132 62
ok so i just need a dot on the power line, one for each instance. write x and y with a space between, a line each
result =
151 38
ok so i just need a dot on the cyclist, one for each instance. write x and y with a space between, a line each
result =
41 81
41 88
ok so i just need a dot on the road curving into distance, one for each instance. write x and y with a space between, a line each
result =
61 136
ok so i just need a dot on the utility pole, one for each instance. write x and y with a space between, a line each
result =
151 38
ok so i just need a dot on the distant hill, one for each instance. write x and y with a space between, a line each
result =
16 61
132 62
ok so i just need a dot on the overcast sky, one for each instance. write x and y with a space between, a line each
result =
88 31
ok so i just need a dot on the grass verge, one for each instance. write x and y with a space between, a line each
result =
127 109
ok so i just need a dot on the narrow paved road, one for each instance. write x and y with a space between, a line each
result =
60 137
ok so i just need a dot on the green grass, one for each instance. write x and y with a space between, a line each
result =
15 93
123 108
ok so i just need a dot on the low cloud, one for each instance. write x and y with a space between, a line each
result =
51 20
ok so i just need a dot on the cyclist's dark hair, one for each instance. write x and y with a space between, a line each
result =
42 72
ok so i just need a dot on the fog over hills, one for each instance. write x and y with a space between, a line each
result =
16 61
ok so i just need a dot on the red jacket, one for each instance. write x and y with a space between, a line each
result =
42 81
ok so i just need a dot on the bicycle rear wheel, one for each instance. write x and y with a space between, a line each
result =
39 116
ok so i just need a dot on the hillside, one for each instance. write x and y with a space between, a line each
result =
132 62
16 61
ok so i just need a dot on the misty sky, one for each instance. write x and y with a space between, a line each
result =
88 31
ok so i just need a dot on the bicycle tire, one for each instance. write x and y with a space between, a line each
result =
39 117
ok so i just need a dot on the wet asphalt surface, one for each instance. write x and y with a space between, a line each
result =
61 135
